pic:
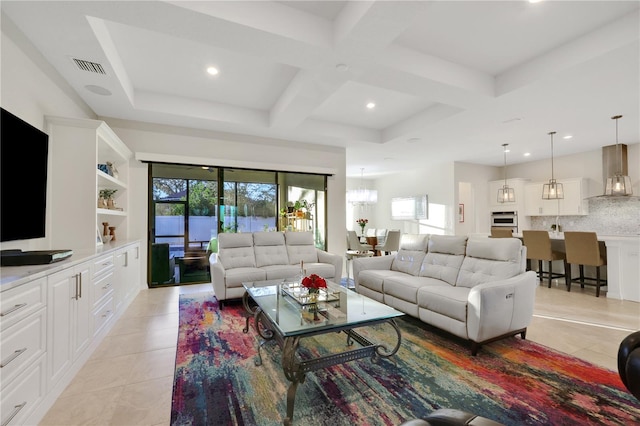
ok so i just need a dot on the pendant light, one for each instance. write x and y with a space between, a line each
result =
552 190
362 195
506 194
618 184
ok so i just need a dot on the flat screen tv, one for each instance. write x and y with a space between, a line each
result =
24 152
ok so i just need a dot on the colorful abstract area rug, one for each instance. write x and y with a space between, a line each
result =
512 381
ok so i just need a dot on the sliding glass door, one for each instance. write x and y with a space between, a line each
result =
190 205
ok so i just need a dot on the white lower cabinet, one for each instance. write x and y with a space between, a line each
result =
69 304
51 324
23 320
23 395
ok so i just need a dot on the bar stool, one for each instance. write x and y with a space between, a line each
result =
539 248
497 232
583 249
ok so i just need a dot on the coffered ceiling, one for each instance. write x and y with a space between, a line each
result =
451 80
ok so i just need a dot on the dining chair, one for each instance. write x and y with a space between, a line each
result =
391 243
539 248
497 232
583 249
355 244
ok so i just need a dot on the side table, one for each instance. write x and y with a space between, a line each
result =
350 254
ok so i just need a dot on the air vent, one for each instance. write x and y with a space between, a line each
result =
89 66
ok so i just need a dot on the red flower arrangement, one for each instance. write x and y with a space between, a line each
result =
314 281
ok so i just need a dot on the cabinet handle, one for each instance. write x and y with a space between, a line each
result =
16 410
13 309
126 259
106 286
13 356
106 314
80 286
106 264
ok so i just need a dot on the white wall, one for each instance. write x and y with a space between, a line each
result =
473 191
32 89
190 146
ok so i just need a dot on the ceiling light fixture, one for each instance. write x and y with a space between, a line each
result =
362 196
506 194
619 184
552 190
567 137
212 71
371 105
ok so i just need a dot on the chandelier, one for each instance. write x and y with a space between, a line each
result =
506 194
552 190
362 196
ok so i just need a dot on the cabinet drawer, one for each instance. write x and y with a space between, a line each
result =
21 301
102 286
22 396
102 264
21 345
102 315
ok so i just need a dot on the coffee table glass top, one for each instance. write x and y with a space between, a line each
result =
291 317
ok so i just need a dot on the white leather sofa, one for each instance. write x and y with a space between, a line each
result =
476 289
245 257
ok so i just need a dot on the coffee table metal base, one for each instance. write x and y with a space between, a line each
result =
295 368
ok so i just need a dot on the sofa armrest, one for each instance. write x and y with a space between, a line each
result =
500 307
334 259
376 262
217 277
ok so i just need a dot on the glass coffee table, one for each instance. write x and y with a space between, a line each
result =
283 312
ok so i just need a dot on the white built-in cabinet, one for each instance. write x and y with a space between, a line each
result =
574 202
69 302
77 146
53 321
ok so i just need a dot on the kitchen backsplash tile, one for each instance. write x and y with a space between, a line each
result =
607 216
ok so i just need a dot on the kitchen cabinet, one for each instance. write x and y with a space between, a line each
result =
82 145
68 325
573 204
127 274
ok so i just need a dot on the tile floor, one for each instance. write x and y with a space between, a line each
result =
128 380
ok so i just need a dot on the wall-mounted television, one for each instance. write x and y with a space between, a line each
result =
24 151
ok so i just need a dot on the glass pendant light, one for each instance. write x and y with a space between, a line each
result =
552 190
362 196
618 184
506 194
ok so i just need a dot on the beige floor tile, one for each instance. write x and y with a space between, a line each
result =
145 403
129 378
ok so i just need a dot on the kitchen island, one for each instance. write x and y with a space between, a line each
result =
623 263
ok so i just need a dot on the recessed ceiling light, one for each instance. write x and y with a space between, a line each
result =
535 1
212 70
98 90
526 154
342 67
413 140
567 137
371 105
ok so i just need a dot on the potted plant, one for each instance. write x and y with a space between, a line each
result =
105 199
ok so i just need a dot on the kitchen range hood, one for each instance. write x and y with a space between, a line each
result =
614 162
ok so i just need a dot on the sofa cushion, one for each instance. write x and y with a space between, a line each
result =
445 256
490 259
236 250
445 300
269 249
300 247
374 278
413 248
406 287
235 277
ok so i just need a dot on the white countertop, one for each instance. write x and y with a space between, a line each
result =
605 238
13 276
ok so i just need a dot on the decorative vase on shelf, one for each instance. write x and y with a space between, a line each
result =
110 203
112 232
102 203
362 227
